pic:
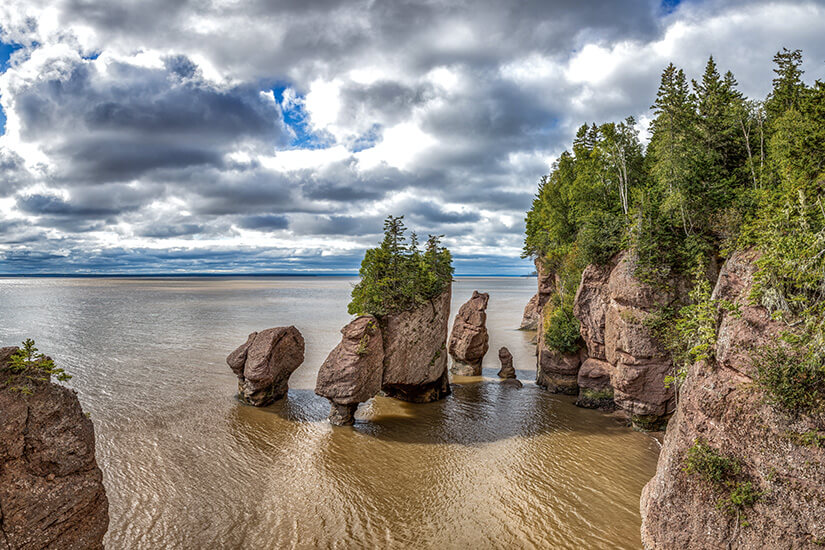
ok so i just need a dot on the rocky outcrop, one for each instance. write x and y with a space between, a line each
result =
353 370
640 362
469 340
590 308
782 457
532 314
506 358
625 363
264 364
415 352
595 389
547 284
51 489
556 372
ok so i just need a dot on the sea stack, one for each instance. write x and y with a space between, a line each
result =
507 369
352 372
415 351
51 488
264 364
469 340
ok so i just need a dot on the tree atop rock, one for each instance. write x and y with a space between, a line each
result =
397 276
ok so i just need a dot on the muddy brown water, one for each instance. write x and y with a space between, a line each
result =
187 466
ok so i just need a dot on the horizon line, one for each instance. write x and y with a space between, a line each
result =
229 274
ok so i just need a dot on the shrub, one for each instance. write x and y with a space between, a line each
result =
561 329
742 495
397 276
709 464
792 375
27 366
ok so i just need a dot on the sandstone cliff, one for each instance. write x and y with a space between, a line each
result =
546 286
51 489
776 459
624 362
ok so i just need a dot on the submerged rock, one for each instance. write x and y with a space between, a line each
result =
506 359
51 488
415 352
264 364
469 340
779 455
352 372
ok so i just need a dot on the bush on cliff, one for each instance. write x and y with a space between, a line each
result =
397 275
26 366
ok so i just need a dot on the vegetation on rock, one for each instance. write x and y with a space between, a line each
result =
397 275
720 173
27 366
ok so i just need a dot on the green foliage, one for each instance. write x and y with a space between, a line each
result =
397 276
561 328
742 495
689 334
724 474
791 373
26 366
810 438
601 237
709 464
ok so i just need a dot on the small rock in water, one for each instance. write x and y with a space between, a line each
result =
265 362
506 358
341 414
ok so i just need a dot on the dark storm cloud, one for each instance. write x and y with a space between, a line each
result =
130 120
264 221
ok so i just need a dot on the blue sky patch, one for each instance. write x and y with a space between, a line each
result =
669 6
5 53
295 118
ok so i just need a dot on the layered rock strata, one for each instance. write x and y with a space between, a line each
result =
51 488
780 456
352 372
469 340
264 364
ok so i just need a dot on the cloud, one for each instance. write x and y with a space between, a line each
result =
155 135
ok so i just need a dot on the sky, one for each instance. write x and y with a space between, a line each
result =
173 136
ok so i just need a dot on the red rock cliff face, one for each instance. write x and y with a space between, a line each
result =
51 489
623 361
415 352
719 405
546 286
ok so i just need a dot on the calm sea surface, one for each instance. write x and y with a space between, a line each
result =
186 466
